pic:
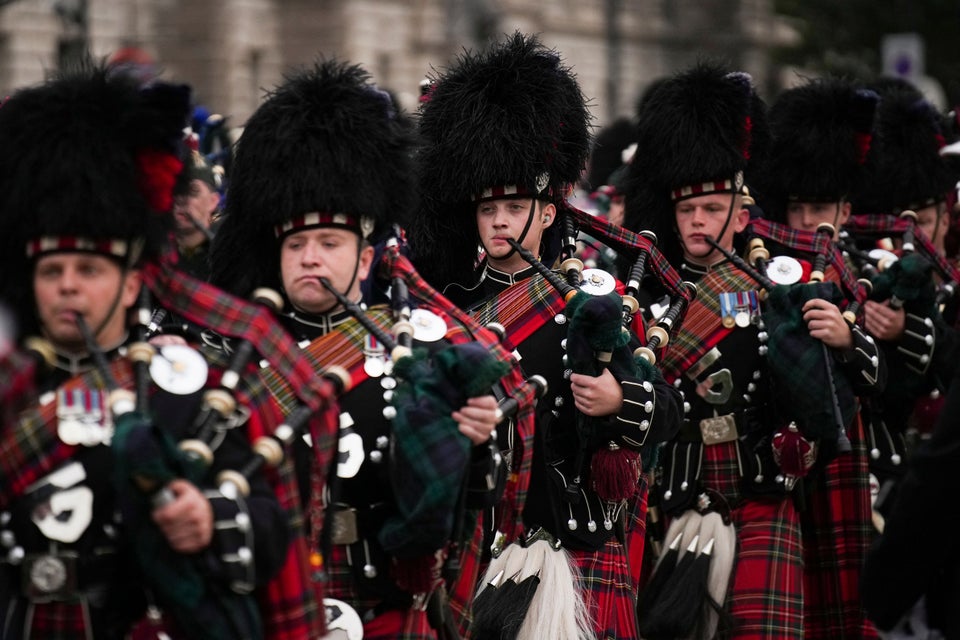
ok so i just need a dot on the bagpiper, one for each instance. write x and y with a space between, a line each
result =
505 134
321 174
109 527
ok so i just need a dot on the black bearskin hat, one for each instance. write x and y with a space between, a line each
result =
90 161
905 169
701 131
822 133
513 116
327 148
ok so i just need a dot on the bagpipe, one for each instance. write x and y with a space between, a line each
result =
147 457
429 457
816 403
599 323
919 280
688 587
529 588
907 278
45 442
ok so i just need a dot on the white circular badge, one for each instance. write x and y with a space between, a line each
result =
179 369
784 270
597 282
427 326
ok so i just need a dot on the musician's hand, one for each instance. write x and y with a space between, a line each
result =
187 522
477 419
826 323
884 322
600 396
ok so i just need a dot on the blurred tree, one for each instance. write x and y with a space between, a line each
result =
844 37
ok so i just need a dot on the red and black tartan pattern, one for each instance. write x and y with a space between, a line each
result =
883 225
811 243
31 447
608 590
635 530
16 385
290 602
766 596
208 306
465 585
702 328
629 243
58 621
837 532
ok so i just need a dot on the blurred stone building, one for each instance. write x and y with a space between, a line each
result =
231 50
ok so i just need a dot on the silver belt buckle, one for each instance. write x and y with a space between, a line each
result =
344 530
49 577
718 429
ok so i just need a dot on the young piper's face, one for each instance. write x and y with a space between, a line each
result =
500 219
807 216
324 252
69 284
703 217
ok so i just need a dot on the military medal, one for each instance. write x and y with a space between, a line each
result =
179 369
427 326
83 417
738 308
375 356
784 270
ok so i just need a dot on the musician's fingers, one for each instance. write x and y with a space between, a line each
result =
476 436
187 522
580 381
583 406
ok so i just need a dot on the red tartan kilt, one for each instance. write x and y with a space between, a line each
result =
608 591
399 625
837 531
766 598
58 621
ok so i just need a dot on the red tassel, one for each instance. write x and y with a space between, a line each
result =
793 453
615 473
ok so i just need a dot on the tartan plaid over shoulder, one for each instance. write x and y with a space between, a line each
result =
812 243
